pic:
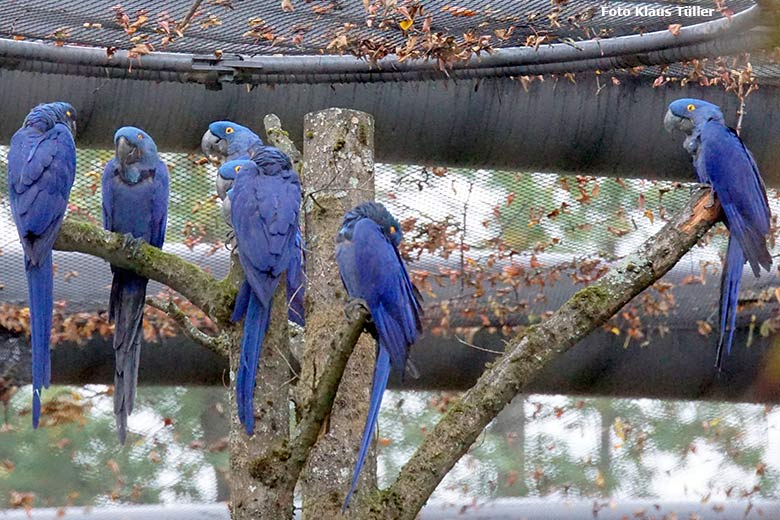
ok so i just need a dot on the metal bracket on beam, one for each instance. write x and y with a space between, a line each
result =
226 67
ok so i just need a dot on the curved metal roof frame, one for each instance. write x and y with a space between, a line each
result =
741 33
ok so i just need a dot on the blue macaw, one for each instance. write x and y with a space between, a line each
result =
265 202
41 171
372 271
722 161
135 203
229 141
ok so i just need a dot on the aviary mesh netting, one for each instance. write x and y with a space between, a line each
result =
307 27
487 248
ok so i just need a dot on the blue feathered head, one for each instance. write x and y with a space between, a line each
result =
226 141
46 115
231 169
687 113
133 145
379 214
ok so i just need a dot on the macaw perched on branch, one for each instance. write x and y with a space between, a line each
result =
265 202
135 203
373 273
229 141
722 161
41 171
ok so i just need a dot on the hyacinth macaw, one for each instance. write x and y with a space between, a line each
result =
265 202
373 272
229 141
722 161
135 203
41 171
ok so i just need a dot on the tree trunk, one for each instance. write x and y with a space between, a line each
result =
338 173
260 491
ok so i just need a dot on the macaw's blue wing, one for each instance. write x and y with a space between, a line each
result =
735 178
264 214
138 208
41 170
723 159
371 269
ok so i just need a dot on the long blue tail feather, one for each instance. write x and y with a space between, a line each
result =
730 280
39 287
255 327
128 297
296 284
381 375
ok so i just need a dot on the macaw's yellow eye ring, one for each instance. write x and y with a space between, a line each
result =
392 229
237 169
691 107
229 130
68 113
140 136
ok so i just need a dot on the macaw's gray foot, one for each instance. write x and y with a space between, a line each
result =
711 201
132 244
704 186
230 240
354 307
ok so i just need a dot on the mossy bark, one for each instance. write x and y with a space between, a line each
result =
260 485
338 173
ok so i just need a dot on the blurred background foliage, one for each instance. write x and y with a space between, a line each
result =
539 446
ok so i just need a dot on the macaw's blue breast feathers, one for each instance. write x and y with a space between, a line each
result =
41 171
264 205
371 269
135 188
722 160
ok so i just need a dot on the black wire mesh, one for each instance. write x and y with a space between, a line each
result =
296 27
493 241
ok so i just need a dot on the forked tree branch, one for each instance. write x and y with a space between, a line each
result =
529 352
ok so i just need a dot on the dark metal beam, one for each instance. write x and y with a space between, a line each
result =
480 118
556 126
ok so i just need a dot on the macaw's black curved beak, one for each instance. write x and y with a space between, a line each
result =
673 122
213 147
125 151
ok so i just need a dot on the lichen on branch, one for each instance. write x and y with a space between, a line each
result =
215 298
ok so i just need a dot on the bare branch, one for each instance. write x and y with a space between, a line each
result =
528 353
215 298
217 344
190 14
